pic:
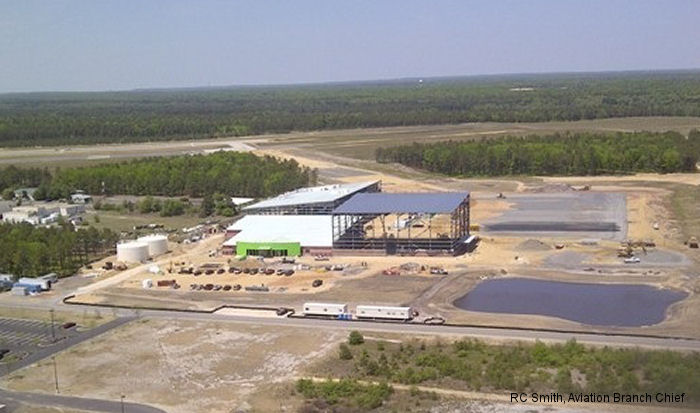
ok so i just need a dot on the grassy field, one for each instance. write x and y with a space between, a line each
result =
685 203
126 222
470 365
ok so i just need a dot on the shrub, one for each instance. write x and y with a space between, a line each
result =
344 352
355 338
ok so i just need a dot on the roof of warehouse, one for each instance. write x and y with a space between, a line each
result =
307 230
312 195
386 203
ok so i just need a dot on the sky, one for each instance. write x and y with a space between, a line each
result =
89 45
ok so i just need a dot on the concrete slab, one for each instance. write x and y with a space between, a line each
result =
600 215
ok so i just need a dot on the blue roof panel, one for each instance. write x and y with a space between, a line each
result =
387 203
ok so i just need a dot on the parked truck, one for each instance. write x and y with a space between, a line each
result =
380 312
325 309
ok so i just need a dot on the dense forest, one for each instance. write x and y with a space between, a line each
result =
13 177
559 154
29 251
231 173
145 115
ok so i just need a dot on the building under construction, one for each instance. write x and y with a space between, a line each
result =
402 223
353 219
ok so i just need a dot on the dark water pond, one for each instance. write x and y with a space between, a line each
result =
626 305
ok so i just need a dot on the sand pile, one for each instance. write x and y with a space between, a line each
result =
533 245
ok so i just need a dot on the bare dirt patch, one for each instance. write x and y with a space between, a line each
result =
180 366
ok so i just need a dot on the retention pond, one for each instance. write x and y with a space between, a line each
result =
624 305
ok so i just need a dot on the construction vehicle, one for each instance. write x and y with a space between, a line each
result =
692 242
627 248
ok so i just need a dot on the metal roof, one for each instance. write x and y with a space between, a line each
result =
307 230
386 203
313 195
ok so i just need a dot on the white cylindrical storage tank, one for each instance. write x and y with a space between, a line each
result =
133 251
157 244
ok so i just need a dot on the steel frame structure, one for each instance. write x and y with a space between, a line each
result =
350 233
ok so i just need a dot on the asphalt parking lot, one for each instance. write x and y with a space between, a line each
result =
23 337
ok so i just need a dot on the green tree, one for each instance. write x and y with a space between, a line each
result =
208 206
8 194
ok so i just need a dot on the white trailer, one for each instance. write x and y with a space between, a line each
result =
20 290
325 309
51 277
44 285
382 312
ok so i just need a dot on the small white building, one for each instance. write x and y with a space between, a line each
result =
27 213
7 277
80 197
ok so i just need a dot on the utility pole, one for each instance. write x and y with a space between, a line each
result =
122 403
55 374
53 331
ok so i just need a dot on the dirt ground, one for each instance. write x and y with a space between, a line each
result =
183 366
362 281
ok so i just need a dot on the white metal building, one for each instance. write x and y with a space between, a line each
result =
313 200
279 235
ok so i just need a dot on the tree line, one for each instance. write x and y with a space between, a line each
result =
149 115
12 178
231 173
29 251
558 154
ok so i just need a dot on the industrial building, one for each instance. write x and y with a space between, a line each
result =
42 213
318 200
280 235
353 219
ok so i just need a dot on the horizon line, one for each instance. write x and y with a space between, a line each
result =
349 82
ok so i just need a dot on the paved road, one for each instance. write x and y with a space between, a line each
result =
473 332
79 403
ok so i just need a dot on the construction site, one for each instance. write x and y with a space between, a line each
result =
595 257
364 240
